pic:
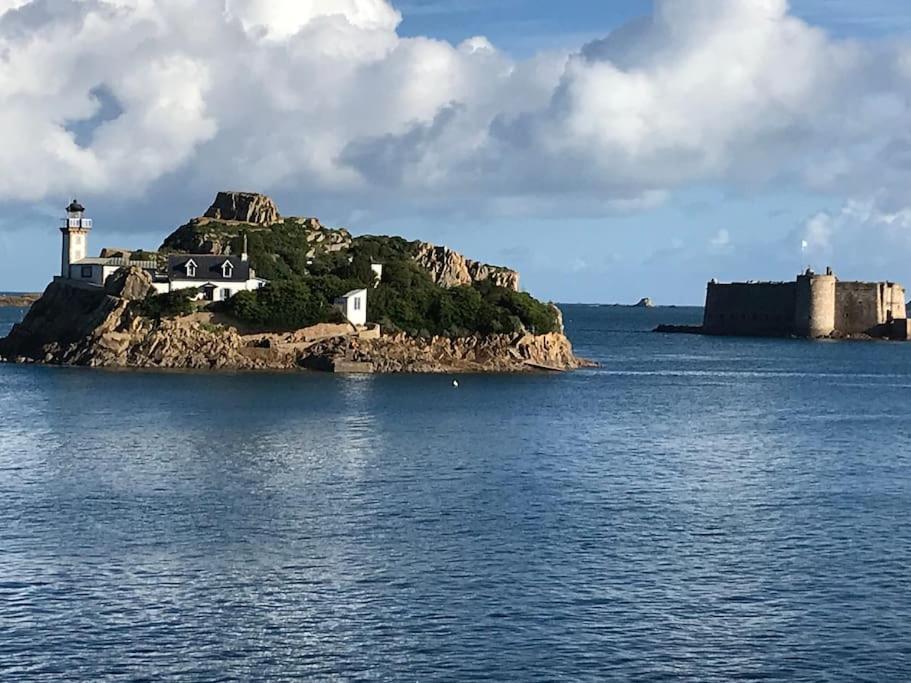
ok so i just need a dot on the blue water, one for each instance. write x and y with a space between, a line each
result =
697 509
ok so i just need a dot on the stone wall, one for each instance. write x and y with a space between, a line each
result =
764 309
867 307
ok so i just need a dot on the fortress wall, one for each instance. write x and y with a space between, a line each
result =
814 313
865 307
895 302
746 308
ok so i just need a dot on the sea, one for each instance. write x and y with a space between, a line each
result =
695 509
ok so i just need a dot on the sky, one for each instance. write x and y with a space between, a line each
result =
607 149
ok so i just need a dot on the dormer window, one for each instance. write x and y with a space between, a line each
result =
227 270
191 268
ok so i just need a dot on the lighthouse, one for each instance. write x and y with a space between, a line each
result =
75 231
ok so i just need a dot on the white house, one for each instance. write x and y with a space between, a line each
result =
354 306
216 277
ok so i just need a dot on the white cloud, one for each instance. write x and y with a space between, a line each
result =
861 239
281 19
721 239
325 94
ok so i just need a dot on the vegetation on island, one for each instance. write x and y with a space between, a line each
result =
309 266
143 255
170 304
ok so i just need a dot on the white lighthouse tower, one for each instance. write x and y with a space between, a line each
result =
75 231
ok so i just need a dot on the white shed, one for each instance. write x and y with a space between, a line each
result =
354 306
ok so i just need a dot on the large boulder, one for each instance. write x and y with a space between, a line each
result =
130 283
247 207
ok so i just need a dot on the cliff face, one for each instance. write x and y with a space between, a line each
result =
105 328
450 269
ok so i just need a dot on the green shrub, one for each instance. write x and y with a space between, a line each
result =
284 304
169 304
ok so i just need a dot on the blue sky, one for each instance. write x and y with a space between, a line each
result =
627 210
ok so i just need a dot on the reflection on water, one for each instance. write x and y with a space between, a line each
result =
698 509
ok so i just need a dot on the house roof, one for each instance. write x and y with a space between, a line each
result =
116 261
353 292
208 268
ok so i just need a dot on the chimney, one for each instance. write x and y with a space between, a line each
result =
243 255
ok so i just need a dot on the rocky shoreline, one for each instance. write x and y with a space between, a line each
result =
94 327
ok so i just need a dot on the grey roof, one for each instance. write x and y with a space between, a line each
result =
116 261
208 267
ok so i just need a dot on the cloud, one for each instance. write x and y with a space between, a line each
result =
721 240
105 97
281 19
855 232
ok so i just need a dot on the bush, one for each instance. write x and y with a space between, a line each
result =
170 304
408 300
285 304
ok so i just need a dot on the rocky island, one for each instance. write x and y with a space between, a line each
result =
243 288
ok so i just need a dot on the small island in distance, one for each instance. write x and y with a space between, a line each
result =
244 288
18 299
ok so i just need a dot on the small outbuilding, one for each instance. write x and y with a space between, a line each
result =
353 306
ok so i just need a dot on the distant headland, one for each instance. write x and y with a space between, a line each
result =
813 306
242 287
18 300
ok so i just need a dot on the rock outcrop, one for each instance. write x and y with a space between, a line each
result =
402 354
247 207
645 303
208 236
64 315
449 268
132 284
79 325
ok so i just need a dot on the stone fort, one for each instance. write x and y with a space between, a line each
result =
813 306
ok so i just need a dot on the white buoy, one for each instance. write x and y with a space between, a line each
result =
455 383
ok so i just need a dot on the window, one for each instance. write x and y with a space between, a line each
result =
87 272
357 303
225 294
227 269
191 268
